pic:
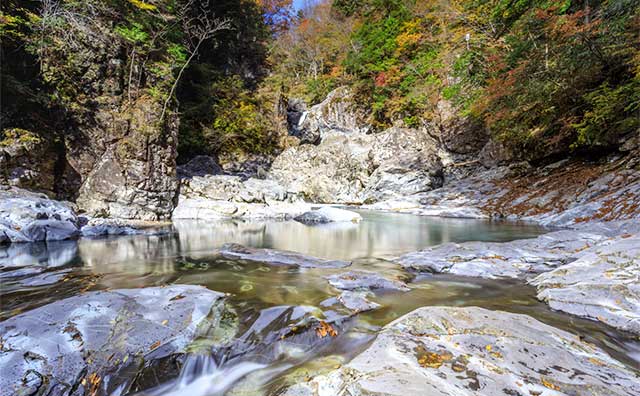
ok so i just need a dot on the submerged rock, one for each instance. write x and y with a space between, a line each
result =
355 301
328 214
30 217
278 257
364 280
517 259
603 284
97 342
473 351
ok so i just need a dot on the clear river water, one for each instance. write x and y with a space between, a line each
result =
264 299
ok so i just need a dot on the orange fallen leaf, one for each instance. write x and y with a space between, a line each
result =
324 329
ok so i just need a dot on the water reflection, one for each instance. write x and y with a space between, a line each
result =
381 235
32 275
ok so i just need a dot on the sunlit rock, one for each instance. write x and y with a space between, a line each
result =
328 214
97 342
603 284
472 351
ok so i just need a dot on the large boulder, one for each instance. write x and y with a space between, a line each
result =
438 351
31 217
603 284
225 196
337 113
96 343
361 168
328 214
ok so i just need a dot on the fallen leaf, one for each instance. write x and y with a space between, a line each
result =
324 329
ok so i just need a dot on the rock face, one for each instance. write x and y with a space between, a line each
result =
460 135
114 154
356 168
225 196
603 284
517 259
278 257
562 194
474 351
132 174
328 215
26 161
29 217
97 342
337 113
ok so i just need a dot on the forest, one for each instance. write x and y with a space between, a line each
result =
547 78
319 197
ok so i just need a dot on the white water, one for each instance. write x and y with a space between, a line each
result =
201 376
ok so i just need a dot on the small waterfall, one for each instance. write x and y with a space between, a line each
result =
202 376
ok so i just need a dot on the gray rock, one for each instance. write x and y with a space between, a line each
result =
473 351
364 280
97 342
328 215
226 196
29 217
356 168
357 301
97 227
278 257
517 259
338 112
206 209
603 284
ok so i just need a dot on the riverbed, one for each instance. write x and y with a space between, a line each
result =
265 298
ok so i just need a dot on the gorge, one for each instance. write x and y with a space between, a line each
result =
351 198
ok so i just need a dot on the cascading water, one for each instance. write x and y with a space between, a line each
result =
201 376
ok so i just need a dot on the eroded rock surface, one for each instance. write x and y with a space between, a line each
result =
603 284
30 217
517 259
328 215
97 342
365 280
278 257
356 168
337 113
226 196
473 351
566 193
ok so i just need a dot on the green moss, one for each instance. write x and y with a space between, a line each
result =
13 136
